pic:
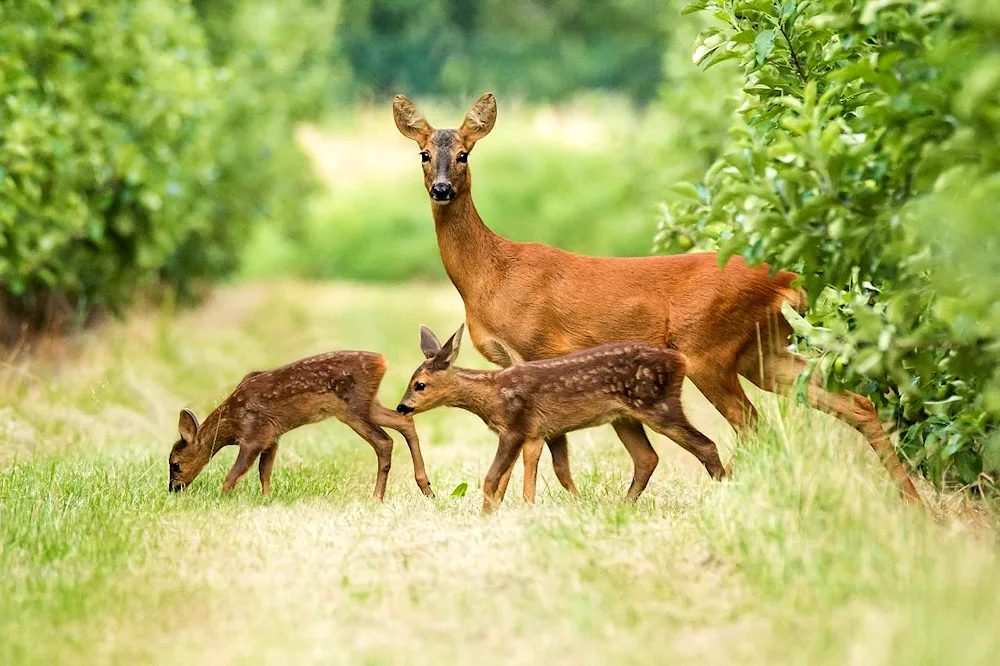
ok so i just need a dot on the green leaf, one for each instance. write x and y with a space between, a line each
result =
763 45
460 490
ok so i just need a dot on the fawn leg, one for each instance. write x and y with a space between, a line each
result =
507 452
267 457
531 452
559 448
382 444
669 420
404 425
248 453
644 458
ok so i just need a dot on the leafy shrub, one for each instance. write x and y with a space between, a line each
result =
865 157
106 126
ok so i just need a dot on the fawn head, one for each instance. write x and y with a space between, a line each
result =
187 457
445 153
433 382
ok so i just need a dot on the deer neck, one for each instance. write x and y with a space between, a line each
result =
475 391
469 250
215 432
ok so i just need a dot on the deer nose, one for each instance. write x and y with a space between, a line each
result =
441 191
403 409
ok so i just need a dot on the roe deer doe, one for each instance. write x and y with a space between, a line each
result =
527 301
624 383
265 405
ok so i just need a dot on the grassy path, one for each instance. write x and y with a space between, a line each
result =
804 558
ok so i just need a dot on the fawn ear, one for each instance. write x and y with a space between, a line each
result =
187 425
479 120
409 121
429 343
449 350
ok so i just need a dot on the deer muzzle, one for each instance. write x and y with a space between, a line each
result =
442 192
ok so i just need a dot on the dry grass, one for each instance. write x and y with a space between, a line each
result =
806 557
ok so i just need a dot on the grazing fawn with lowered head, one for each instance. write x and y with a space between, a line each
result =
265 405
625 383
528 301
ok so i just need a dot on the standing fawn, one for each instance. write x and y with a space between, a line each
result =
625 383
528 301
266 405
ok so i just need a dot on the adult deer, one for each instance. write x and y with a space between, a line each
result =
528 301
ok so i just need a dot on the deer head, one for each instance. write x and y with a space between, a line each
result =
433 383
188 455
445 152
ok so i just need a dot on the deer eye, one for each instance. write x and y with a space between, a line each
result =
425 156
462 157
419 386
175 468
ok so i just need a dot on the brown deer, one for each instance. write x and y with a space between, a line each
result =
527 301
266 405
623 383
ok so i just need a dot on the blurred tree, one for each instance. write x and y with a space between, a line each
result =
534 49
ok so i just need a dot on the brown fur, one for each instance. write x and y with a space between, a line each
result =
624 384
527 301
266 405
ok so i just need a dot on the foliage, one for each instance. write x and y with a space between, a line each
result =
523 47
865 129
106 127
135 151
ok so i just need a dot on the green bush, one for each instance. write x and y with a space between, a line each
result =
140 141
865 157
106 126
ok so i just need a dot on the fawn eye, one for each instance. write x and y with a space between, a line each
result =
425 156
462 157
175 468
419 386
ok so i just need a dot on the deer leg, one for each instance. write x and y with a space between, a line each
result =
507 452
248 453
502 487
644 458
723 390
531 452
382 443
669 420
780 373
267 457
404 425
559 448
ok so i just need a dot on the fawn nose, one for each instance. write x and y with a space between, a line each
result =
442 191
403 409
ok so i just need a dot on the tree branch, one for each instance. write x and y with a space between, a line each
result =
795 57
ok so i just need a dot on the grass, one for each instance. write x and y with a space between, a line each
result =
587 178
805 557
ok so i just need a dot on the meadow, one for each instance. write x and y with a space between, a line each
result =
806 556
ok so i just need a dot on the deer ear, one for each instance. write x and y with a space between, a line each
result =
429 343
409 121
479 120
449 351
187 425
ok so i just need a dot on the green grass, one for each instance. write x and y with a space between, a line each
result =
804 557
